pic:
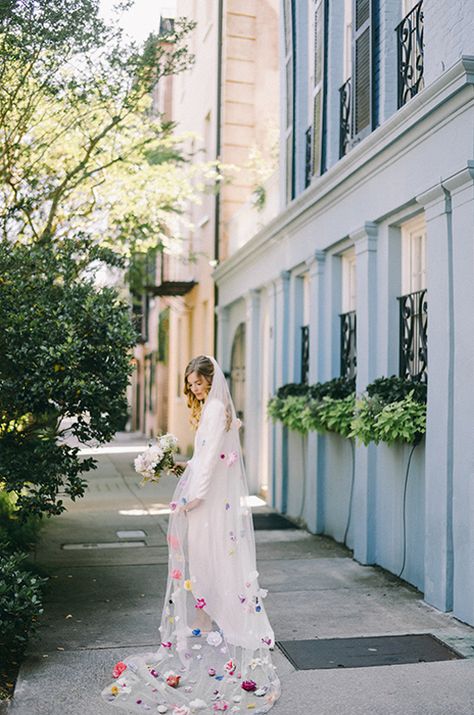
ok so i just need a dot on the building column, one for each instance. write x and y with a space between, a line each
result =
223 338
439 424
365 243
252 388
315 463
460 226
280 462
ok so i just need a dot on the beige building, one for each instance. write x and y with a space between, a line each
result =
229 103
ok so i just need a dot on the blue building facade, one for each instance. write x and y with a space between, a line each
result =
376 207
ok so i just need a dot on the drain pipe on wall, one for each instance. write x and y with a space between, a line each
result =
217 205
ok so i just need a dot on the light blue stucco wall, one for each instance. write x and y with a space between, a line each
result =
409 165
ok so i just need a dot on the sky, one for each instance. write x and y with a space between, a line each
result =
144 17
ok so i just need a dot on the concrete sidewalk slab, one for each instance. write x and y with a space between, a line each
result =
104 604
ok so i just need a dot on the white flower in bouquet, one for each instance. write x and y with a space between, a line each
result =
158 458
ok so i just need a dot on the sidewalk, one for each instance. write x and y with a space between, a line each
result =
106 602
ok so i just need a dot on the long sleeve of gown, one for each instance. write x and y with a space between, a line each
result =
213 431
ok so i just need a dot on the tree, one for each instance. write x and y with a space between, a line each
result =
65 353
81 148
88 175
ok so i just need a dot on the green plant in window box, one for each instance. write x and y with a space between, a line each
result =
392 410
324 406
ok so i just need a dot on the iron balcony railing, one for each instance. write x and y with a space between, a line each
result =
344 117
410 54
348 344
413 336
308 169
304 354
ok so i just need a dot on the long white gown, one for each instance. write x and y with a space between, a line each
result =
212 567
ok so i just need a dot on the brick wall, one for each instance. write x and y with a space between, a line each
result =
449 34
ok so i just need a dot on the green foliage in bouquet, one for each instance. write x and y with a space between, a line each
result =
392 410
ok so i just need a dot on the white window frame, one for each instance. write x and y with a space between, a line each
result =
413 276
349 285
347 61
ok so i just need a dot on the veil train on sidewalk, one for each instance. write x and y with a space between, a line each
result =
212 568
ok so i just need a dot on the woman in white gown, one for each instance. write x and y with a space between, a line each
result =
216 640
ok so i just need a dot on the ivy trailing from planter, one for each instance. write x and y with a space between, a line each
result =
324 406
392 410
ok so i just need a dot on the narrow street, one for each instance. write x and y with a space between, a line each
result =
105 603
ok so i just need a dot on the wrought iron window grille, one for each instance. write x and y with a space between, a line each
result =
413 336
410 54
308 165
304 354
348 344
344 117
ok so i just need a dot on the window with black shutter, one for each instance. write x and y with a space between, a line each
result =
288 19
362 68
319 11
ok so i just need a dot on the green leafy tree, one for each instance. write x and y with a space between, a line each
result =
82 148
90 175
65 347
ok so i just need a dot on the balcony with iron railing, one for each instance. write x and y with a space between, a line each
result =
344 117
410 54
308 163
173 275
304 354
413 336
348 344
410 80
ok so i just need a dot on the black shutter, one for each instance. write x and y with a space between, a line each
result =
318 20
362 68
289 29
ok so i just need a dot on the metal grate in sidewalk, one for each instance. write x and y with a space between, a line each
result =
366 651
272 521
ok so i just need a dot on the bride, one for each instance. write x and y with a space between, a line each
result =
216 640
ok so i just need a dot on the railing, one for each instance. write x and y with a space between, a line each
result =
308 169
410 54
413 336
348 344
140 310
174 276
304 353
344 117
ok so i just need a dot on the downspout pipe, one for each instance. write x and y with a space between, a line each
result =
217 205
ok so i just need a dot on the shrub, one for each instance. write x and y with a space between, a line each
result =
65 347
20 601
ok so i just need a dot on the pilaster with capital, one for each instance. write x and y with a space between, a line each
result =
461 225
439 424
313 512
252 388
365 243
281 347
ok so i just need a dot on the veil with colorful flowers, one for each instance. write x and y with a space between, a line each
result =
212 570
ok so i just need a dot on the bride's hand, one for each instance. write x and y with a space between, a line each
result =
191 505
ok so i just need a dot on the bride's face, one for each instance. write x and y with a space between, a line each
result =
198 385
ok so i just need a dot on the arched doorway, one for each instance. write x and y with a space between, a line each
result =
237 377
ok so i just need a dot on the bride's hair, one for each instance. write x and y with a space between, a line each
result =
203 367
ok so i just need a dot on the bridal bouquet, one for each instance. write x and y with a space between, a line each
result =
157 459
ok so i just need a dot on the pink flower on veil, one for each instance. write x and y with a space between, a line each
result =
173 541
200 603
176 574
118 669
232 458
